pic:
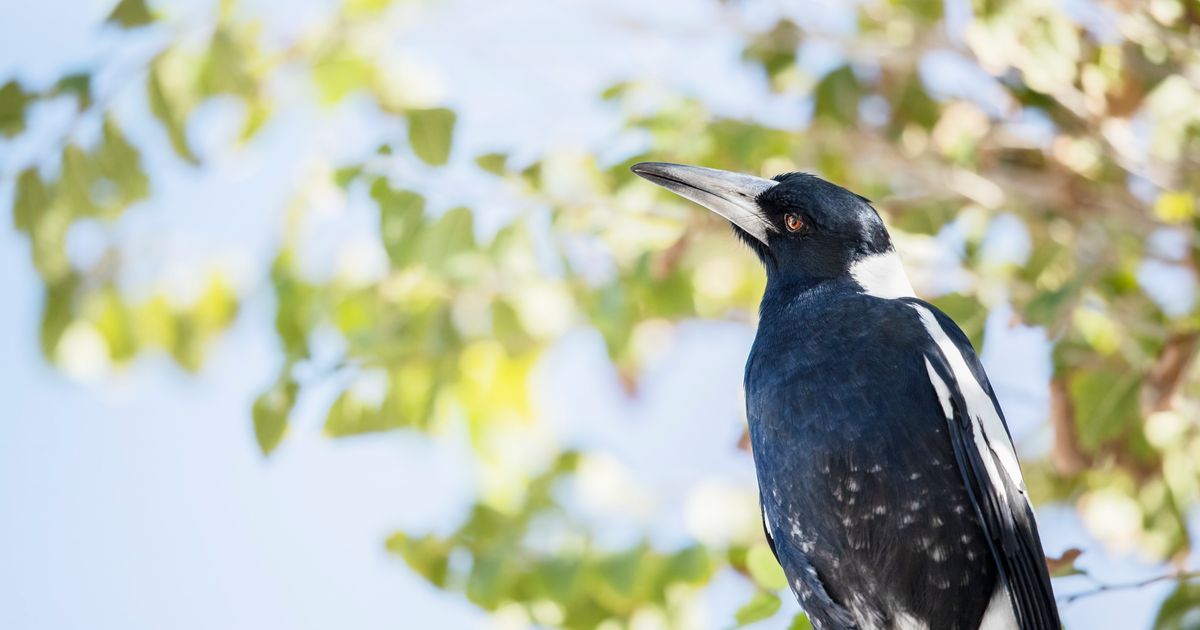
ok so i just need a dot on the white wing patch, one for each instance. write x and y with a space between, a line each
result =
990 437
882 275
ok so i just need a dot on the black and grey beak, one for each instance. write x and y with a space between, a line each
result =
731 195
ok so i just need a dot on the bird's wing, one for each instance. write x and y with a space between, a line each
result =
984 451
817 604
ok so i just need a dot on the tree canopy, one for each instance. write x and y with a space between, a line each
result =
1078 126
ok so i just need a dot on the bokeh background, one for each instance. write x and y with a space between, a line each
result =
349 314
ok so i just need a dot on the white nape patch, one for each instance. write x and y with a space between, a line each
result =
999 614
882 275
990 437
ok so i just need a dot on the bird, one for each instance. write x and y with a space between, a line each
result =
889 486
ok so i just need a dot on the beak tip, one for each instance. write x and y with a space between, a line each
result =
643 169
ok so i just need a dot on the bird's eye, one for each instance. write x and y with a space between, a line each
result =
793 222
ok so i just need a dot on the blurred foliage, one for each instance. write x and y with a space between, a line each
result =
1085 132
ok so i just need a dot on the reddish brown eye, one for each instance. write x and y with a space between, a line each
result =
793 222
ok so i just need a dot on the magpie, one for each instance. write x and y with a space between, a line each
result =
889 486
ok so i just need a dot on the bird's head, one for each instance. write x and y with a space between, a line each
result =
804 229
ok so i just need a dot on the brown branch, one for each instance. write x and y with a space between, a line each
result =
1178 576
1166 376
1066 454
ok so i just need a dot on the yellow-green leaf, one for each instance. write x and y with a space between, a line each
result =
837 96
271 412
428 556
31 201
401 220
493 163
340 74
172 117
431 132
800 622
131 13
1175 207
452 234
764 568
1105 404
13 101
763 606
79 85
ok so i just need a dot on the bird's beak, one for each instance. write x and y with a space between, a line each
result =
731 195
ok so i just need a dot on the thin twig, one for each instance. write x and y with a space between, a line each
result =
1179 576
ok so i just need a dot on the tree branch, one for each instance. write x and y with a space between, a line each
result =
1066 455
1167 374
1177 576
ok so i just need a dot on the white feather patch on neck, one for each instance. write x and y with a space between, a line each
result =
882 275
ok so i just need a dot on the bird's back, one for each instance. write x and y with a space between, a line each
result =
857 474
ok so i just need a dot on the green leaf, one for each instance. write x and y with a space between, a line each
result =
428 556
31 201
113 320
401 221
837 96
451 235
78 85
431 132
78 181
225 69
800 622
763 606
1106 404
346 175
493 163
689 565
914 105
13 101
271 411
775 49
58 311
350 416
1049 308
560 577
764 568
1181 609
339 75
130 14
615 91
169 113
295 311
620 571
119 162
1175 206
492 578
927 10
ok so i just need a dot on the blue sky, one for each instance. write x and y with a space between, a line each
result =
139 499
